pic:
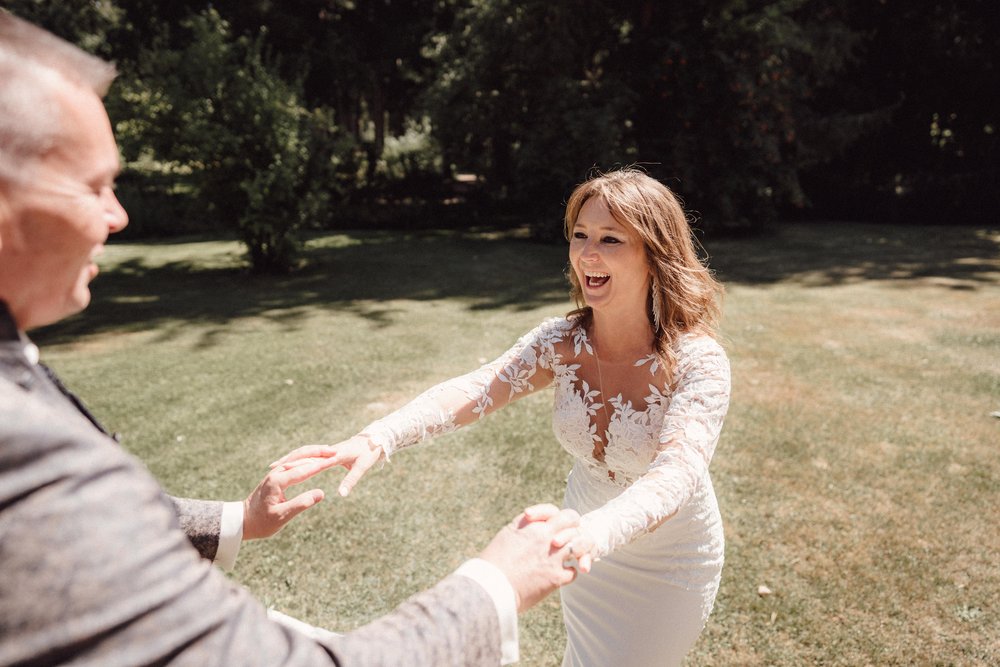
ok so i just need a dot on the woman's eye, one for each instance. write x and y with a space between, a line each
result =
611 239
579 235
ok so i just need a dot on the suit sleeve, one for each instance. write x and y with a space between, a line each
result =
201 521
98 571
457 611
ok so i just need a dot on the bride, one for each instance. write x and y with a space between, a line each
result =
641 389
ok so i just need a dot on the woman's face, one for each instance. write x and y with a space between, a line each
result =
609 260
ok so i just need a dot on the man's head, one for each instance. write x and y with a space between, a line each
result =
58 162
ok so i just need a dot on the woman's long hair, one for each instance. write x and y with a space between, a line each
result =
684 296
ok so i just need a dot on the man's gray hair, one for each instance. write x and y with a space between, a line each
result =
34 64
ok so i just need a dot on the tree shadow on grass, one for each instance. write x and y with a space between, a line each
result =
364 272
360 273
827 254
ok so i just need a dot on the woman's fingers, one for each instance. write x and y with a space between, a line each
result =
579 548
564 537
305 452
357 470
296 472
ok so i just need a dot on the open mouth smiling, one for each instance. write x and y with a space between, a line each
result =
596 278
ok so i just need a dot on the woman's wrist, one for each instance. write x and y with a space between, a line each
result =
375 444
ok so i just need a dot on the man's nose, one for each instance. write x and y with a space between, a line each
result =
115 213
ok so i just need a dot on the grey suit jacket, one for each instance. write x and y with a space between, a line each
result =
201 520
97 571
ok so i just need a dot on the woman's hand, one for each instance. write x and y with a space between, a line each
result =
581 545
357 454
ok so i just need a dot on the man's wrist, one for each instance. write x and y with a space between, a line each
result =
230 535
500 590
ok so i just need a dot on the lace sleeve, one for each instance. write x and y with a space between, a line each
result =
524 368
687 440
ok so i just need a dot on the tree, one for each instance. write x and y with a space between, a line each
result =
218 106
728 90
934 69
362 59
717 98
522 97
86 23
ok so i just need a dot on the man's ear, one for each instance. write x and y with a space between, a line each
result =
5 215
8 215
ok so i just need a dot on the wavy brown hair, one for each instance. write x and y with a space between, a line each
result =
682 290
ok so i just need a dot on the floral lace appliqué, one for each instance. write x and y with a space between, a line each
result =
657 453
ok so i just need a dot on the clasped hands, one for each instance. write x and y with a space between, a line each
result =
542 539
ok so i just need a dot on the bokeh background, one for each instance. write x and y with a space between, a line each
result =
263 118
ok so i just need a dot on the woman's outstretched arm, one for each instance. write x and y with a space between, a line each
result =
524 368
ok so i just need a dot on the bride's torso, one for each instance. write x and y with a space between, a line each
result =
608 417
607 414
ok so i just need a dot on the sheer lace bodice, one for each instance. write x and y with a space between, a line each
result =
656 449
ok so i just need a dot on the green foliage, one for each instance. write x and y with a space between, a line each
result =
522 99
412 160
84 22
715 98
262 163
728 92
750 110
935 71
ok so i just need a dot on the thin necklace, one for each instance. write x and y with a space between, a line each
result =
600 446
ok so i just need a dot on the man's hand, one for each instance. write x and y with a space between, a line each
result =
357 454
267 510
524 552
579 543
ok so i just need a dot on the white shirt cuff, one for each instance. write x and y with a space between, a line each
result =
319 634
495 583
230 535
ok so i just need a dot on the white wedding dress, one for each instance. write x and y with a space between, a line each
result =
640 481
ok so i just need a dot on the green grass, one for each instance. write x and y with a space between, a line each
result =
858 472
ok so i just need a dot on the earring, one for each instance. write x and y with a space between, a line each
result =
656 296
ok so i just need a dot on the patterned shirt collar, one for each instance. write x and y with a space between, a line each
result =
9 334
8 328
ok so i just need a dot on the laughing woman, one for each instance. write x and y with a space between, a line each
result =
641 389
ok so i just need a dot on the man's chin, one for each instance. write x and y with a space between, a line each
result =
80 302
37 320
76 303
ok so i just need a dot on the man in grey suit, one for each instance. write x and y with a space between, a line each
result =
96 568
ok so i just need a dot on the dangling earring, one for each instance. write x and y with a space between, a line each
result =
654 290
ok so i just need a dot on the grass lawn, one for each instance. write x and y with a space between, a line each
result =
856 471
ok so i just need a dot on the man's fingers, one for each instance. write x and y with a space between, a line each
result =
565 519
291 508
541 512
567 575
558 519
